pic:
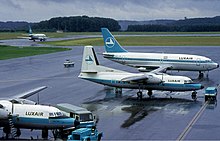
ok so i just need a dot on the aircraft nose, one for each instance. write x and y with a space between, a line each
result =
217 65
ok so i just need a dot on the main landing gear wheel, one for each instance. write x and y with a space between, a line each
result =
150 93
139 95
200 74
194 96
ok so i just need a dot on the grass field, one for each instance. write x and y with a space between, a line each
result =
145 41
8 52
14 35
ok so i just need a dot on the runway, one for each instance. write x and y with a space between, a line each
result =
122 117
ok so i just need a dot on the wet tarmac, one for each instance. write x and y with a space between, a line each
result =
121 117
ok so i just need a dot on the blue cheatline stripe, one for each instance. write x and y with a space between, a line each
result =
190 85
46 121
163 60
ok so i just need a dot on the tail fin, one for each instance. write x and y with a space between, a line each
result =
30 30
111 44
90 61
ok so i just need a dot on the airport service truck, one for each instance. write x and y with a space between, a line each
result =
68 63
85 117
211 93
90 133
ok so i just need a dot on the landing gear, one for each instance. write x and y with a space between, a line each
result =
139 95
7 131
200 74
45 134
118 92
150 93
194 96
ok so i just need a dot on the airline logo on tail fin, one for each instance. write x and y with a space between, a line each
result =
110 42
89 59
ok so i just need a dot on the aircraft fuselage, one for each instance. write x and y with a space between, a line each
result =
183 62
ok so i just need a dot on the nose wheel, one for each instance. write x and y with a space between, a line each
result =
201 75
194 95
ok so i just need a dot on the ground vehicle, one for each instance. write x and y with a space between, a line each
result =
211 93
85 134
68 63
85 117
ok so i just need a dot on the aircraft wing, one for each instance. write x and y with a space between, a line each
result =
29 93
136 78
145 77
161 69
23 37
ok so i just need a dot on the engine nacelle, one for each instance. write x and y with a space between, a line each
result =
153 80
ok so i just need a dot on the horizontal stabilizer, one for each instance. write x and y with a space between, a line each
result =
30 92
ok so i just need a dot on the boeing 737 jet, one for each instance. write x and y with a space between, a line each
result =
150 61
34 37
92 71
18 112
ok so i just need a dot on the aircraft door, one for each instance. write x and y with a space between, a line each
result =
122 59
198 62
161 59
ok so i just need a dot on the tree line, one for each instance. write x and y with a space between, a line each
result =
186 25
77 24
173 28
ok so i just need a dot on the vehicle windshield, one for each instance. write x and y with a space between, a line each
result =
86 117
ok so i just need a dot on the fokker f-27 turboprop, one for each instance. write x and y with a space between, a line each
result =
18 112
150 61
92 71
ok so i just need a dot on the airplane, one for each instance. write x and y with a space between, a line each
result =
92 71
150 61
32 36
18 112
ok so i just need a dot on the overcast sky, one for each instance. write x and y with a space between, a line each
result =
37 10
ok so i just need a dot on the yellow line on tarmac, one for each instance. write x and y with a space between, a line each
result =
192 122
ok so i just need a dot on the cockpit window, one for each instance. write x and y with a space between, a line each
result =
51 115
187 81
56 114
208 61
1 106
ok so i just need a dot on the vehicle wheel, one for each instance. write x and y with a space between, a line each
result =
194 97
99 137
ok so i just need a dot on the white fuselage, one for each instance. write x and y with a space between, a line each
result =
168 83
41 37
35 116
183 62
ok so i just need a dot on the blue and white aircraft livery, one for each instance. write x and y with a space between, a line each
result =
150 61
18 112
92 71
35 36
